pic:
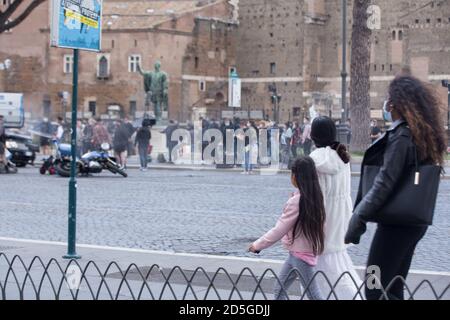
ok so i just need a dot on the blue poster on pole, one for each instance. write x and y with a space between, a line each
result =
76 24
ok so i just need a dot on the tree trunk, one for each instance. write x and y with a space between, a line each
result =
360 78
6 23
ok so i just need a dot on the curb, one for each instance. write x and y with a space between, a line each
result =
187 256
213 169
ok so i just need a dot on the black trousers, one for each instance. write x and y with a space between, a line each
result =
392 251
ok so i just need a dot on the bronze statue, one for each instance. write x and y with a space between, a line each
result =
156 87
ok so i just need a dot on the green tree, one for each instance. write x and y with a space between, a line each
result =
20 9
360 77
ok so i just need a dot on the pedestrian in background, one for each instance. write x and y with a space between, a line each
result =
59 135
2 144
88 134
79 138
416 137
375 131
296 143
251 147
168 131
120 143
306 137
46 131
100 135
301 229
285 148
129 126
142 141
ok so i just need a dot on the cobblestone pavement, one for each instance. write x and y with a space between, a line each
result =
182 211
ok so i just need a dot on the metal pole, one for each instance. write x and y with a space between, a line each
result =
71 244
344 62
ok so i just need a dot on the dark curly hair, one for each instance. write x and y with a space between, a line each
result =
419 105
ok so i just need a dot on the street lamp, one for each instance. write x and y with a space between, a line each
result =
344 62
446 84
275 98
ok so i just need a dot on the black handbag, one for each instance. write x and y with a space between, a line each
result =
413 199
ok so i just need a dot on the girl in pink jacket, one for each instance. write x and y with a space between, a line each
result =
301 229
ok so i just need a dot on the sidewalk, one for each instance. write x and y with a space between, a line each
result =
171 275
133 163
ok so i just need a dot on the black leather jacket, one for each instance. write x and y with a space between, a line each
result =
393 152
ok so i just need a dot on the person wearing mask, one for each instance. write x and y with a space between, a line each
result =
375 131
416 137
333 167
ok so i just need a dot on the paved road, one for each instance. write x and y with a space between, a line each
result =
182 211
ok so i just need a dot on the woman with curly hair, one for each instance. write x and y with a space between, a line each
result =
417 132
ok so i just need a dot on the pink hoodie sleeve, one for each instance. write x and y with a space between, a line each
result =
284 224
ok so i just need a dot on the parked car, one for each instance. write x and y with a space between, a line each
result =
22 149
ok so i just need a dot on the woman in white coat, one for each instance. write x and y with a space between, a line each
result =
333 167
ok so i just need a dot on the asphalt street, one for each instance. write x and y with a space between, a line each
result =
214 212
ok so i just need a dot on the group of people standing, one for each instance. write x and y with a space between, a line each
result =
94 132
317 222
295 141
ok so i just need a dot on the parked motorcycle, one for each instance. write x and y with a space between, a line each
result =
91 162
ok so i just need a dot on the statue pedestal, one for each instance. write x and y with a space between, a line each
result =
158 142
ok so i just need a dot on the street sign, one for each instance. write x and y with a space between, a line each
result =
76 24
234 91
374 17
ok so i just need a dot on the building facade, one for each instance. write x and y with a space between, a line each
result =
297 45
182 35
293 46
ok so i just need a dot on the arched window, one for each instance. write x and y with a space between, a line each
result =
103 67
400 35
394 35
